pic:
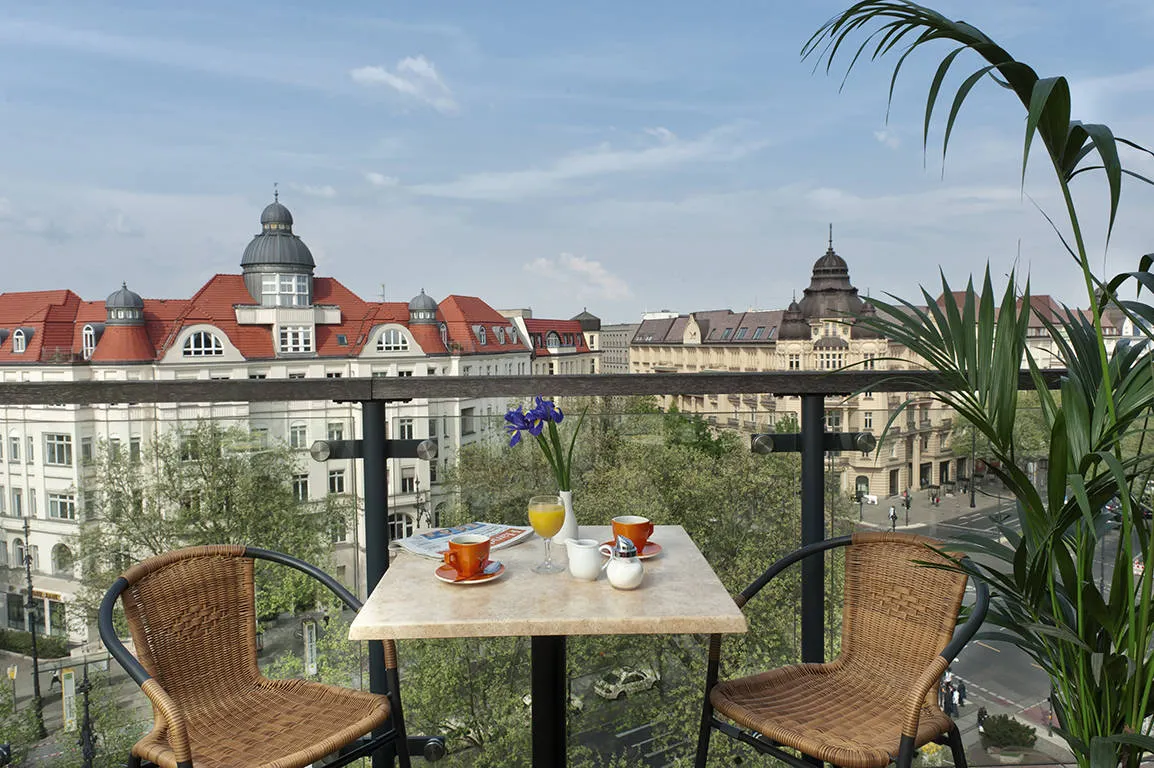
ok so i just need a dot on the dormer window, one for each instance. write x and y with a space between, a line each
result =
444 335
552 339
512 335
88 341
296 338
481 335
19 341
392 340
202 344
279 290
500 334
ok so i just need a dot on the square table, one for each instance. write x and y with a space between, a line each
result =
680 594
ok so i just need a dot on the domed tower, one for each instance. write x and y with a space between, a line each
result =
423 309
125 336
793 324
829 293
124 307
277 265
859 331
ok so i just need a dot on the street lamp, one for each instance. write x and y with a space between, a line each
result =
973 463
37 704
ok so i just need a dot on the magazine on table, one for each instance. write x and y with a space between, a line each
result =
433 543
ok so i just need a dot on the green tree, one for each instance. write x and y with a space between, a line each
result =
17 727
116 725
208 484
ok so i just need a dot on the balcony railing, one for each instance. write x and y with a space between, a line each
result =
808 623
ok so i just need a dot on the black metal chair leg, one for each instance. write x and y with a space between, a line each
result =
954 738
133 761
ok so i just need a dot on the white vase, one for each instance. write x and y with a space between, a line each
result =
569 528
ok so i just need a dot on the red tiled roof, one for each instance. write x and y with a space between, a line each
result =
462 313
542 326
50 315
124 344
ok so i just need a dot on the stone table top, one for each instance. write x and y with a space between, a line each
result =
680 594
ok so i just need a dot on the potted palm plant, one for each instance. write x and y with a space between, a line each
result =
1094 643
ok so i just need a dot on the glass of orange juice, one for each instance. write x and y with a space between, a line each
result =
547 515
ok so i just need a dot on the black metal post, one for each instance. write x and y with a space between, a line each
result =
37 703
87 735
549 701
973 463
376 536
812 527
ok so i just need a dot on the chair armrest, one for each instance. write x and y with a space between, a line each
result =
177 731
112 641
334 586
788 560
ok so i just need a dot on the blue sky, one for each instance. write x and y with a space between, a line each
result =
620 157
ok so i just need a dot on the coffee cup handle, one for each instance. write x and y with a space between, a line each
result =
451 560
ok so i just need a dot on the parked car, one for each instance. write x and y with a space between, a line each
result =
625 680
576 706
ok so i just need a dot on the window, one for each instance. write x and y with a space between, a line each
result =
58 450
868 357
31 446
758 332
432 427
17 502
725 333
552 339
61 564
61 506
114 448
444 329
405 429
403 374
258 375
336 481
392 340
338 532
433 471
284 290
830 361
741 333
342 340
296 338
467 426
481 335
512 335
336 431
260 437
298 436
500 334
867 420
296 375
202 344
134 449
86 451
400 526
795 362
333 375
19 342
88 341
833 421
301 487
408 480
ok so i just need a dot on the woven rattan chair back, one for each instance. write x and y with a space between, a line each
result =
898 613
193 620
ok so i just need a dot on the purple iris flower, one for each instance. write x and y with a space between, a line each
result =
546 410
517 421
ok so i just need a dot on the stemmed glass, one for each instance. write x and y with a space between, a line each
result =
547 515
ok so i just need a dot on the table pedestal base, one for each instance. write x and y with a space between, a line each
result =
549 687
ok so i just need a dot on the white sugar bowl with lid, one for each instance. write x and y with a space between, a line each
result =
624 569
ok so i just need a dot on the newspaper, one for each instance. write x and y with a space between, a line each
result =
433 543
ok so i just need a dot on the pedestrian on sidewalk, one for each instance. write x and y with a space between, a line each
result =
55 681
961 692
982 715
956 701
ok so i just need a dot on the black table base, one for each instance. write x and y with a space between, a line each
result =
549 699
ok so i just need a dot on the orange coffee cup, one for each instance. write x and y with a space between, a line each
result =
467 553
633 527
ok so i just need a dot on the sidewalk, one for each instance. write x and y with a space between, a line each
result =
923 514
1052 747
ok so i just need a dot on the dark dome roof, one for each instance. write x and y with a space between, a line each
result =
275 213
588 320
276 245
124 299
830 261
423 301
793 324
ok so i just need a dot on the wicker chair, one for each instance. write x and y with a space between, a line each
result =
877 702
192 618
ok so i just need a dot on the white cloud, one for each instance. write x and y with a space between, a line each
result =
887 137
663 134
584 277
719 145
413 76
380 179
325 191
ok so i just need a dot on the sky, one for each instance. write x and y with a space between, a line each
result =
620 157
